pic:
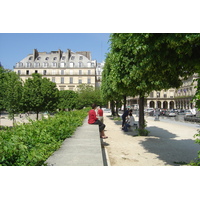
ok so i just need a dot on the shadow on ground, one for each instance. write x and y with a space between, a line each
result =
170 148
167 146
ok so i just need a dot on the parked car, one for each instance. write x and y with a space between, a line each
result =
188 113
170 113
181 112
106 110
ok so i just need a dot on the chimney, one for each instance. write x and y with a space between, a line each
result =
35 54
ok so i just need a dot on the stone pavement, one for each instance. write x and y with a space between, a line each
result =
82 149
168 143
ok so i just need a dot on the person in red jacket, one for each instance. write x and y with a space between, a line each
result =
100 113
92 119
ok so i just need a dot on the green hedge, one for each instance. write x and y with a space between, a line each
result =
32 143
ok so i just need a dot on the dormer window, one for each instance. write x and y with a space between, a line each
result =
55 58
72 58
38 58
81 58
63 58
30 58
47 58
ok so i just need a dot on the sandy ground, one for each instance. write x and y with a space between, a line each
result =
168 144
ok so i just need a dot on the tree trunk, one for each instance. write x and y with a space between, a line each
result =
141 112
37 115
112 105
124 102
117 108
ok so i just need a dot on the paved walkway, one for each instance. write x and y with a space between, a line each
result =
168 144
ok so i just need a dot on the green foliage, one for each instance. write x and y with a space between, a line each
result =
142 131
2 87
67 100
31 144
141 63
196 162
87 95
13 93
39 94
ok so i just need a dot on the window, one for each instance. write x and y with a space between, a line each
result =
38 58
47 58
45 64
89 81
80 81
63 58
53 79
54 64
71 64
55 58
53 72
19 72
62 80
151 95
27 72
28 64
36 71
36 64
71 72
62 72
72 58
80 64
80 72
44 72
81 58
89 64
30 58
71 80
89 72
62 64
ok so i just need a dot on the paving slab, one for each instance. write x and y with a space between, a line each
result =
83 148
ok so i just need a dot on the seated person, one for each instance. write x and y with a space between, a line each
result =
130 122
92 119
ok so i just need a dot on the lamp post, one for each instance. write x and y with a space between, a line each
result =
157 117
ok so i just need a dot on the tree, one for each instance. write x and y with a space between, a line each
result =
146 62
12 94
106 87
87 95
39 95
2 87
67 99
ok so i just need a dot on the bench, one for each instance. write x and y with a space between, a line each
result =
83 148
135 125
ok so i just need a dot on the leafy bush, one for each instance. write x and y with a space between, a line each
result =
196 162
32 143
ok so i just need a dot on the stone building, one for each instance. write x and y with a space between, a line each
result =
67 69
171 99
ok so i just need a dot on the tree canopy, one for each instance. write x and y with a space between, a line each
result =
141 63
39 95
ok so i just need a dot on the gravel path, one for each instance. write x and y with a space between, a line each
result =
168 144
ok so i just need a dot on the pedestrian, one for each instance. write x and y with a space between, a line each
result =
100 113
124 116
92 119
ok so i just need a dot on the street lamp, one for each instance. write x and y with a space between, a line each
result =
157 117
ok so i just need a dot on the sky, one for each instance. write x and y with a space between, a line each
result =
16 46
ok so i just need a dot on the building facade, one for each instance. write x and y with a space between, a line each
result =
171 99
67 69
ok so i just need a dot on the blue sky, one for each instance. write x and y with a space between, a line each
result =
16 46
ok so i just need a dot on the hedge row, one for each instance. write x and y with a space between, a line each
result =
32 143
